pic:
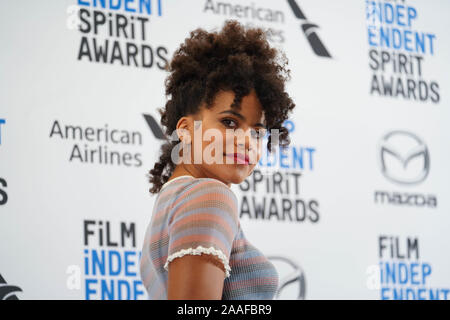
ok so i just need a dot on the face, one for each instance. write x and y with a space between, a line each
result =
228 142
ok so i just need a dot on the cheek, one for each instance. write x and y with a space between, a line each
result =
209 135
228 143
258 149
219 140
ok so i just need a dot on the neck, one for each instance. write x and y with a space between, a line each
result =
184 170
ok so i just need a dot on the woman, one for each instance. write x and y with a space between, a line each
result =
194 246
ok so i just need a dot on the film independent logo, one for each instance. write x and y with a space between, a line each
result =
404 158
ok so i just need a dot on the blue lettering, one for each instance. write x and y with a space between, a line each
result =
388 13
129 263
384 37
372 35
400 14
104 288
310 151
372 11
128 8
112 272
89 291
408 291
390 273
297 157
414 265
83 3
120 285
148 6
2 121
97 263
419 294
116 6
396 44
434 295
387 25
137 292
383 293
381 272
283 156
426 271
420 42
159 8
291 157
402 270
431 37
398 294
144 6
86 262
412 14
290 126
103 6
407 35
272 163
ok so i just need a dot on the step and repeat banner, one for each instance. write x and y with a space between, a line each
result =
356 208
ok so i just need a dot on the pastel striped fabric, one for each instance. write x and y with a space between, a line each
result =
200 216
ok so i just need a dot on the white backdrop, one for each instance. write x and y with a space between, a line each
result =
72 225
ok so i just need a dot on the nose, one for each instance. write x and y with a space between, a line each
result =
246 141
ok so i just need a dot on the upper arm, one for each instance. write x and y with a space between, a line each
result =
201 233
195 277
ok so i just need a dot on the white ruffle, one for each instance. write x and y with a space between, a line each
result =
198 251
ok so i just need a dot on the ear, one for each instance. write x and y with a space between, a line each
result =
184 129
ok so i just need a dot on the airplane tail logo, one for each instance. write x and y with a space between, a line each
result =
309 29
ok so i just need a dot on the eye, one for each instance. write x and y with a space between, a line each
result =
227 122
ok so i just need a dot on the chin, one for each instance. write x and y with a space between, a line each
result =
237 177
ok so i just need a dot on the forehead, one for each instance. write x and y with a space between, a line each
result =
250 107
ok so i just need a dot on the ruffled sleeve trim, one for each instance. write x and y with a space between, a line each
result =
198 251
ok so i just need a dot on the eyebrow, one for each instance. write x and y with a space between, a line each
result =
240 116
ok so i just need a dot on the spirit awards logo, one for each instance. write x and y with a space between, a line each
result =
117 32
398 51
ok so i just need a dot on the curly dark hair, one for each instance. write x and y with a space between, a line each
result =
238 59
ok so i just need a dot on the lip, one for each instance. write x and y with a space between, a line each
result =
239 158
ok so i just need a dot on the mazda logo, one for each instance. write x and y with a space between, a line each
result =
404 158
292 281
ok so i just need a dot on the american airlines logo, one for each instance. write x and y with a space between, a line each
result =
154 127
404 158
309 29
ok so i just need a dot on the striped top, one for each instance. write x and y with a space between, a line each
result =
200 216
